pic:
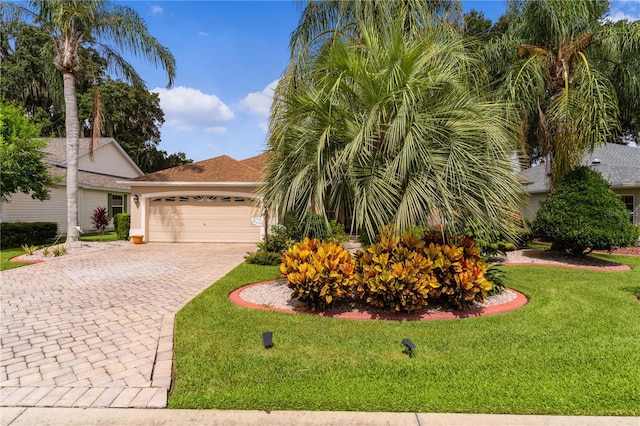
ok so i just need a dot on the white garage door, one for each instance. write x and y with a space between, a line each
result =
202 219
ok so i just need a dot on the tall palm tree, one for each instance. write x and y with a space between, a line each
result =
108 28
562 80
393 129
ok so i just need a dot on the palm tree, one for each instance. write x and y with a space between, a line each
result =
562 80
390 129
108 28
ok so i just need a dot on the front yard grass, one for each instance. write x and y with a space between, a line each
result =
574 349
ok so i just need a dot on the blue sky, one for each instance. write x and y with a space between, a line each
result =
229 56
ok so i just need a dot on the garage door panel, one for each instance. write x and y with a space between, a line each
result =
173 222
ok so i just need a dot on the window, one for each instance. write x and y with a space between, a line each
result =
170 199
198 198
156 200
211 199
183 199
629 202
117 204
226 199
239 200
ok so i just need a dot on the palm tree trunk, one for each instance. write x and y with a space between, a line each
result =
72 129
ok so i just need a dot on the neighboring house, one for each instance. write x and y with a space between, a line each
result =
214 200
97 185
619 164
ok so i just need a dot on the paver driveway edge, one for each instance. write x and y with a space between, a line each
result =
96 329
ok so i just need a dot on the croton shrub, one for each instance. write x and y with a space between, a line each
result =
320 273
397 273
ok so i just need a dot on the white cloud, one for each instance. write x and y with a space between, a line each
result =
264 125
190 109
157 10
259 103
203 33
618 15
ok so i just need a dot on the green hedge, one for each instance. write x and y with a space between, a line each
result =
122 223
15 234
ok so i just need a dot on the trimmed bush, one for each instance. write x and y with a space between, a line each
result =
395 273
582 212
17 234
122 224
278 240
264 258
320 273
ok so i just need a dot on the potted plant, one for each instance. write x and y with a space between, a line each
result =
137 239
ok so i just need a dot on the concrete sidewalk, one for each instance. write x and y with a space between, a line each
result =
16 416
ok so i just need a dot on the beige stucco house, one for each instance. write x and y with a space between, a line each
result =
98 185
619 164
213 200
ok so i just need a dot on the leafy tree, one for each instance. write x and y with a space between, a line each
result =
582 212
477 26
563 82
390 129
132 115
22 166
104 26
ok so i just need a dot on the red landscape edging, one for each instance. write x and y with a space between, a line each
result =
518 302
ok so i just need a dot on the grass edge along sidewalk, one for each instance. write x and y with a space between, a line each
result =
574 349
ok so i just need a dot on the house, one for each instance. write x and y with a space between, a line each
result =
619 164
98 185
213 200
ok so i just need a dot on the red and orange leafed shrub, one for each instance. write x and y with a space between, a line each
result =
320 273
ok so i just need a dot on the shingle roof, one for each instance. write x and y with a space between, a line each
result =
92 180
619 164
56 151
218 169
258 162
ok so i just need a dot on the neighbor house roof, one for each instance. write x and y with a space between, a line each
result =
218 169
91 180
56 150
619 164
56 154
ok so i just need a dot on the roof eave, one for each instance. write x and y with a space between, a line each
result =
174 183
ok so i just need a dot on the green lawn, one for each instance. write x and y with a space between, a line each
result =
6 255
574 349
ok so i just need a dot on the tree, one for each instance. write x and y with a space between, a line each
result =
477 26
582 212
390 129
106 27
562 82
22 166
132 115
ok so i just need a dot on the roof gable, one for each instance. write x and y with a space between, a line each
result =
118 162
218 169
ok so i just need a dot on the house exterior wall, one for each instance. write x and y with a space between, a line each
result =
22 208
141 211
109 161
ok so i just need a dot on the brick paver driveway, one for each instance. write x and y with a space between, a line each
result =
96 329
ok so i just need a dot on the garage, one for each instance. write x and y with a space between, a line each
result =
200 218
212 201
